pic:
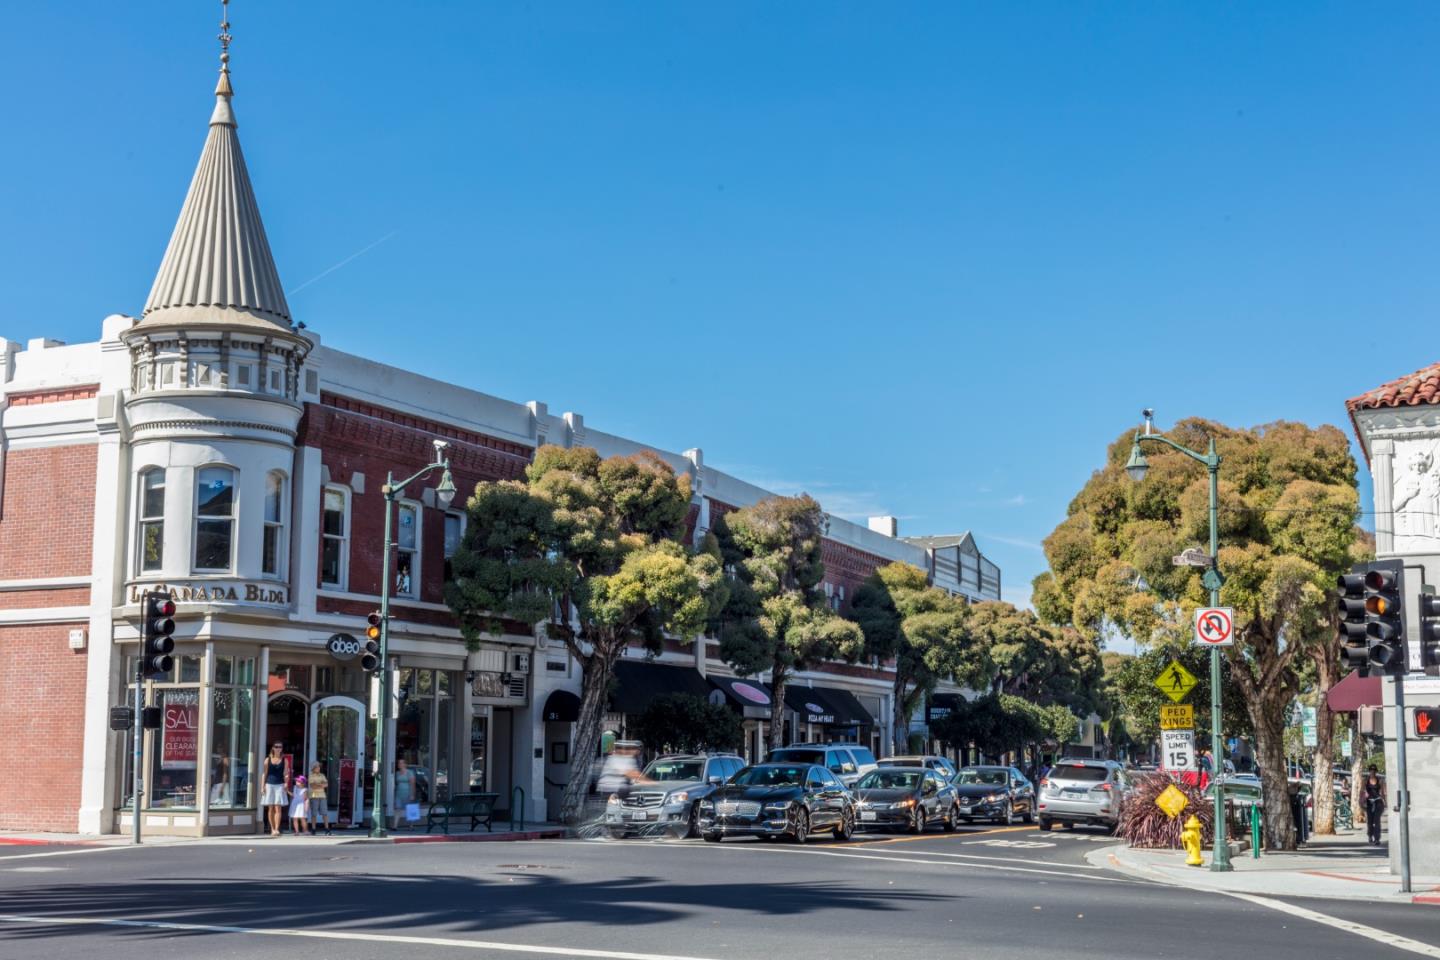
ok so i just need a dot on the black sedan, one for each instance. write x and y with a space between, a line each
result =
772 800
994 793
908 798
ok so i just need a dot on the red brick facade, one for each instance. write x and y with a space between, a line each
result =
41 728
47 518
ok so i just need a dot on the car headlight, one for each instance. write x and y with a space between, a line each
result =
679 796
905 804
778 805
614 800
995 798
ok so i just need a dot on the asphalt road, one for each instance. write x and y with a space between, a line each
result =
991 894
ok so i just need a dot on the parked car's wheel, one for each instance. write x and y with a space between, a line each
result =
1112 828
616 833
1007 815
1045 825
917 820
711 837
802 825
692 823
952 819
1030 812
845 829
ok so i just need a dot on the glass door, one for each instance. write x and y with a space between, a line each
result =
337 731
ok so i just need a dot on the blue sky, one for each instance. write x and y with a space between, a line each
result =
924 259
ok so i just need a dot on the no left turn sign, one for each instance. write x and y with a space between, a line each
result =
1215 626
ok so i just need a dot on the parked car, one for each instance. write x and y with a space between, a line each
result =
940 765
994 793
905 797
848 761
779 800
1083 791
672 797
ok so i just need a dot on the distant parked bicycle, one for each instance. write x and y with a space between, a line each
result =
1344 813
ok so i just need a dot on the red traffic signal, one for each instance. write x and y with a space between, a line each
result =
1427 721
155 630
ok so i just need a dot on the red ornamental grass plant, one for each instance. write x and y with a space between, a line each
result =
1144 824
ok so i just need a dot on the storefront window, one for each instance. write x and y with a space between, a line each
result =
423 729
174 769
231 758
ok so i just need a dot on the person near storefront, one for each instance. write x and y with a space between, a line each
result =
300 807
319 799
277 787
404 793
1373 790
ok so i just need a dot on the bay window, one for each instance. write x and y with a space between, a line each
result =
214 518
272 546
152 520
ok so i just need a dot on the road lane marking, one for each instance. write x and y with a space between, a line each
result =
978 856
933 863
494 946
70 853
1359 929
929 836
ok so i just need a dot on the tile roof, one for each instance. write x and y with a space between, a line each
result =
1420 387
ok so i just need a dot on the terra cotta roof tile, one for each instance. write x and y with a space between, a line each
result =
1420 387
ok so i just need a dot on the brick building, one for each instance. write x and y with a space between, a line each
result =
215 448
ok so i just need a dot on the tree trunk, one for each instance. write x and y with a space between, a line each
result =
779 680
900 734
1327 674
1269 722
1357 771
594 683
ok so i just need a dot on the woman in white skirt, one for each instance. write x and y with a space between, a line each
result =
277 780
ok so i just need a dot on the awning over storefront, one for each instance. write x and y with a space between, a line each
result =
1355 692
561 706
828 706
751 696
638 682
941 705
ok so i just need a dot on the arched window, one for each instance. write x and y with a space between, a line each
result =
151 520
214 518
272 545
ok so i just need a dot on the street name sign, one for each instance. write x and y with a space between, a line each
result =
1215 626
1177 716
1309 729
1172 801
1175 681
1178 749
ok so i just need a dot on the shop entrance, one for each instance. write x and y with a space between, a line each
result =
285 724
500 767
557 766
337 743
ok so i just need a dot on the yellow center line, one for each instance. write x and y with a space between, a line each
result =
930 836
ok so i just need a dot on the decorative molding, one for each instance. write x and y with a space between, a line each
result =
31 615
56 395
45 583
435 427
210 425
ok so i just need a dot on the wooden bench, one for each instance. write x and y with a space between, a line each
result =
478 808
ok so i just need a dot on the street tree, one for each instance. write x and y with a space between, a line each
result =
924 631
776 616
1287 509
685 723
591 549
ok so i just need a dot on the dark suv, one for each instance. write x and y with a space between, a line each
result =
779 800
848 761
670 800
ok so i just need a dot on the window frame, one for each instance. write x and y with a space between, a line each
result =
447 553
343 539
143 519
282 543
232 518
415 551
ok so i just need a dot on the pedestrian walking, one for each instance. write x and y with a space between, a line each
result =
1373 790
277 783
404 793
299 807
319 799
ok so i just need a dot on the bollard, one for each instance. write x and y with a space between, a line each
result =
1190 838
1255 830
517 807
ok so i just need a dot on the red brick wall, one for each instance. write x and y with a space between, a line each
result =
47 519
41 728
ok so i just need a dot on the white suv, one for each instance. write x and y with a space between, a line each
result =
1082 791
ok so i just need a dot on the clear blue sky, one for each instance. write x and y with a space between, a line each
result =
925 259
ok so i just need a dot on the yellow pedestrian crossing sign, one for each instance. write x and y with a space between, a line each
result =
1175 681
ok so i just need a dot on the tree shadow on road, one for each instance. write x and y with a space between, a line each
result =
423 905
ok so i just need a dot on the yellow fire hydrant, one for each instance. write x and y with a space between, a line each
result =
1190 838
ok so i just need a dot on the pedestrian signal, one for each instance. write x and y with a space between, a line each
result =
1427 721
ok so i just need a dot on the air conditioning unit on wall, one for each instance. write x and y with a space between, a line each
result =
521 663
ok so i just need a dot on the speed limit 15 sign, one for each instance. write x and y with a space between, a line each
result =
1178 748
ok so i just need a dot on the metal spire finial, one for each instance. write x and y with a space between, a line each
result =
222 89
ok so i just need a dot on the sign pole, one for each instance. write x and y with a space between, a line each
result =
1402 793
1220 861
136 768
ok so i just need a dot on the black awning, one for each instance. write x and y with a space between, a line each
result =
941 705
561 706
828 706
849 711
638 682
751 696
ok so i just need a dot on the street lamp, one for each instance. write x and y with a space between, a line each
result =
445 495
1136 467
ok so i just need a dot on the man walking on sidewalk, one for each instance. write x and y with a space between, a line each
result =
1373 789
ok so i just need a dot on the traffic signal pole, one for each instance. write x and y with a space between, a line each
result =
1402 793
137 769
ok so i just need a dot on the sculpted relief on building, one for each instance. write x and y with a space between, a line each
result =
1415 501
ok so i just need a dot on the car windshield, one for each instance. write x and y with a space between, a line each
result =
675 770
890 778
1066 771
798 755
771 775
981 775
902 762
862 756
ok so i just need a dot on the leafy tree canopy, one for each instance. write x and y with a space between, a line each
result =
684 723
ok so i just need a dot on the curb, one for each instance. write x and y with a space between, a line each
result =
555 834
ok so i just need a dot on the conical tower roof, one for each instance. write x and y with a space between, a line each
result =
218 270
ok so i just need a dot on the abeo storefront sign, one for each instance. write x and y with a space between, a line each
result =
219 591
343 647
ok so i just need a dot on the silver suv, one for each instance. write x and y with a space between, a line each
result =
1081 790
668 799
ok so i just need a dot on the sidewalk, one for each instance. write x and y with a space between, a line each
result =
1342 867
538 831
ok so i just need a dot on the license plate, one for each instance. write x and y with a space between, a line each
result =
639 815
867 814
1077 793
966 810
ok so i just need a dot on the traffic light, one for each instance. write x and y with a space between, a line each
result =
370 659
1427 721
1354 638
1429 630
155 630
1385 613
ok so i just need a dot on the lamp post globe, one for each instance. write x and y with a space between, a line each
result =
1137 466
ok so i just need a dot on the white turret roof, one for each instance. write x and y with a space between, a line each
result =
218 269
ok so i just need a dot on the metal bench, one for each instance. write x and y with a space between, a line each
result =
478 808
